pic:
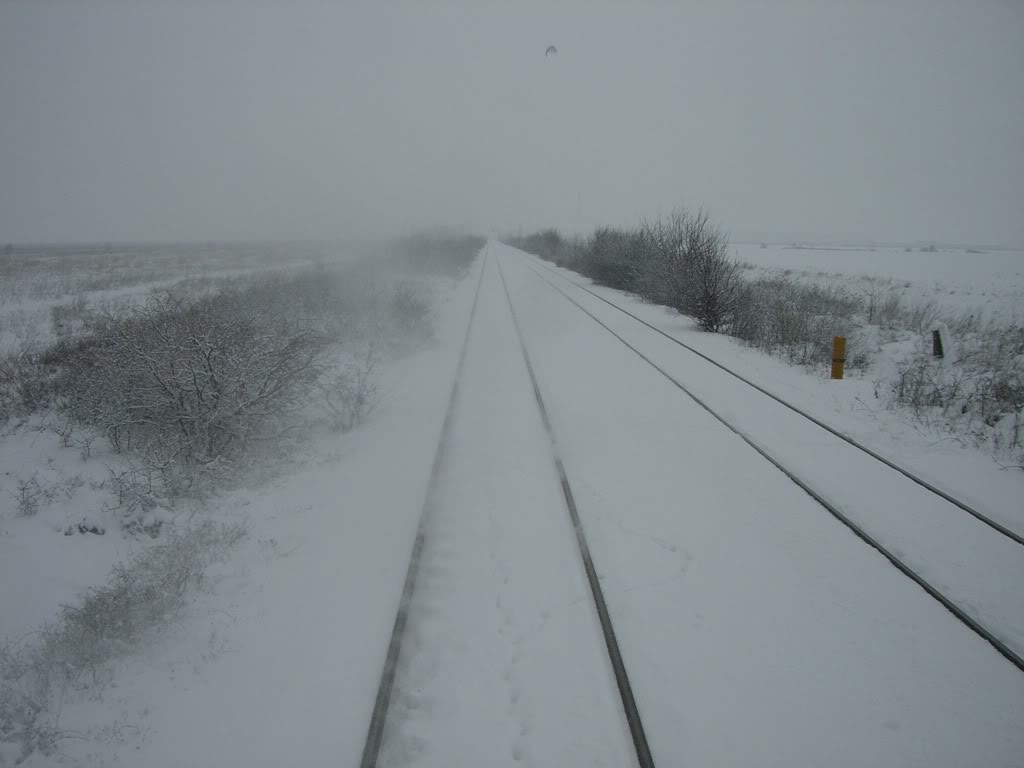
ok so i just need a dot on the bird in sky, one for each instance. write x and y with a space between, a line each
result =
551 49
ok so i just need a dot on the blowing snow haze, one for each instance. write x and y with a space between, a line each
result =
207 121
491 384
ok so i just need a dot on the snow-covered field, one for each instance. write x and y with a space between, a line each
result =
991 282
756 629
973 298
46 291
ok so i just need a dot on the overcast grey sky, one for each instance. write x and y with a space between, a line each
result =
228 120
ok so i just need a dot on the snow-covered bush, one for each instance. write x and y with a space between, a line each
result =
613 257
190 381
549 244
350 391
686 265
975 391
920 316
680 260
138 492
69 317
794 320
27 496
409 307
26 381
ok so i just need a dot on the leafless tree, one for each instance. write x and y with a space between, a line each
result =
191 380
689 268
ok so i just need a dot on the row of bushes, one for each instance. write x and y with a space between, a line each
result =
682 261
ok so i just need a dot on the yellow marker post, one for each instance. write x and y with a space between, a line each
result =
838 356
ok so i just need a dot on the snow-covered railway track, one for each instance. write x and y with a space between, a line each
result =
500 554
378 716
952 571
632 713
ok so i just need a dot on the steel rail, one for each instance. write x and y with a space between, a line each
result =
629 706
375 731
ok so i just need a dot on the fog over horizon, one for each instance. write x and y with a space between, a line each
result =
159 121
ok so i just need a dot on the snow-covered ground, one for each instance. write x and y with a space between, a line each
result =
42 288
990 282
755 628
34 552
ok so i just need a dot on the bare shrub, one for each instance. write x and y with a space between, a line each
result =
27 496
965 323
976 391
874 296
349 395
716 285
714 275
138 489
69 318
26 381
663 278
549 244
613 257
922 384
890 310
796 321
681 261
140 596
190 380
32 492
922 315
409 308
